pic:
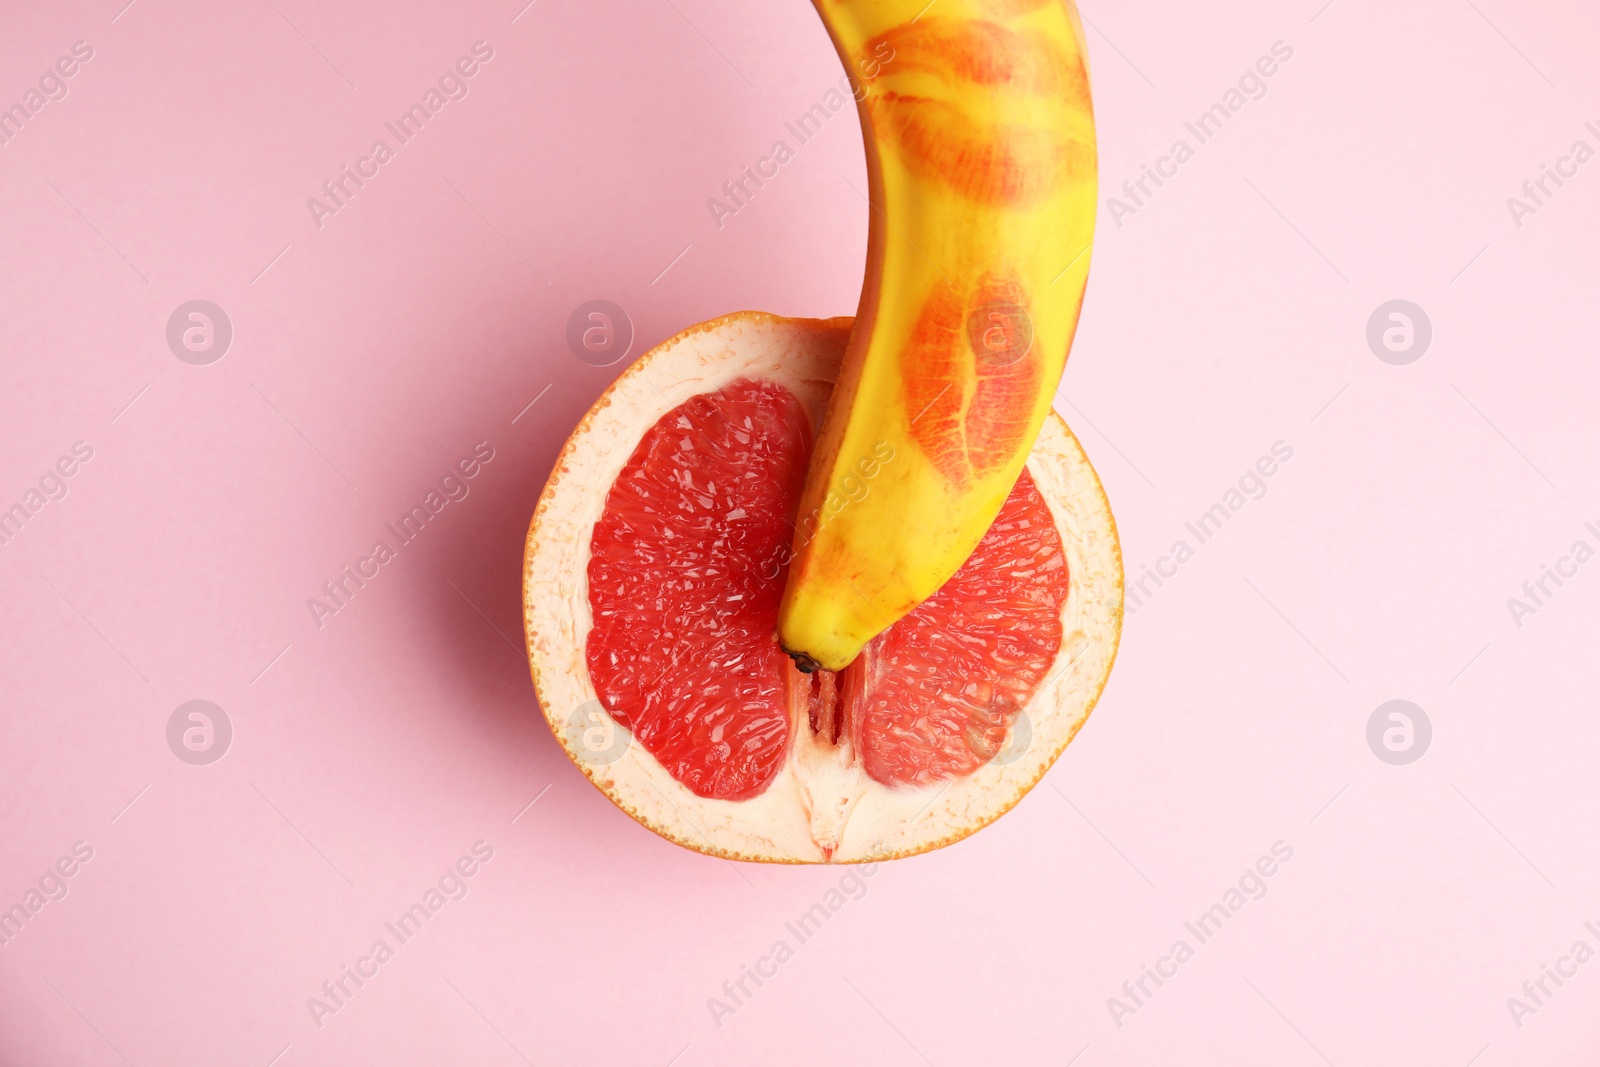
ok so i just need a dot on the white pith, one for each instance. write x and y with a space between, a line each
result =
821 806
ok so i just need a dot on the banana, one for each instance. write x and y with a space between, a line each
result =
981 171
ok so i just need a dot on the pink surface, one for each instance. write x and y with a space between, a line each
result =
370 754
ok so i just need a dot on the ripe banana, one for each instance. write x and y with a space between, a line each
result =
981 171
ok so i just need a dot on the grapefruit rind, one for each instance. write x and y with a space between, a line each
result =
816 809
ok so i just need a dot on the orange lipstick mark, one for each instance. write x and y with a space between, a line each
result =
971 374
940 137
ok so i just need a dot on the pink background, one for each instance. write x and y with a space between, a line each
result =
1228 313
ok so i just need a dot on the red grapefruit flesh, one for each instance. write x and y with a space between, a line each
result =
684 582
944 684
686 570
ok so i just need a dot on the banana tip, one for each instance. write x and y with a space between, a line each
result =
802 662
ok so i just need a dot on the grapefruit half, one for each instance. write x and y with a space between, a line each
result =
654 567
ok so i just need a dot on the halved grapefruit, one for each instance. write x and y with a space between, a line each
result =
655 563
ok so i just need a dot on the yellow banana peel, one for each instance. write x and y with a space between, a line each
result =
981 166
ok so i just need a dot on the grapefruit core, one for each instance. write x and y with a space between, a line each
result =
655 564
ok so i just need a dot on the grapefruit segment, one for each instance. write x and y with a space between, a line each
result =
944 684
684 583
